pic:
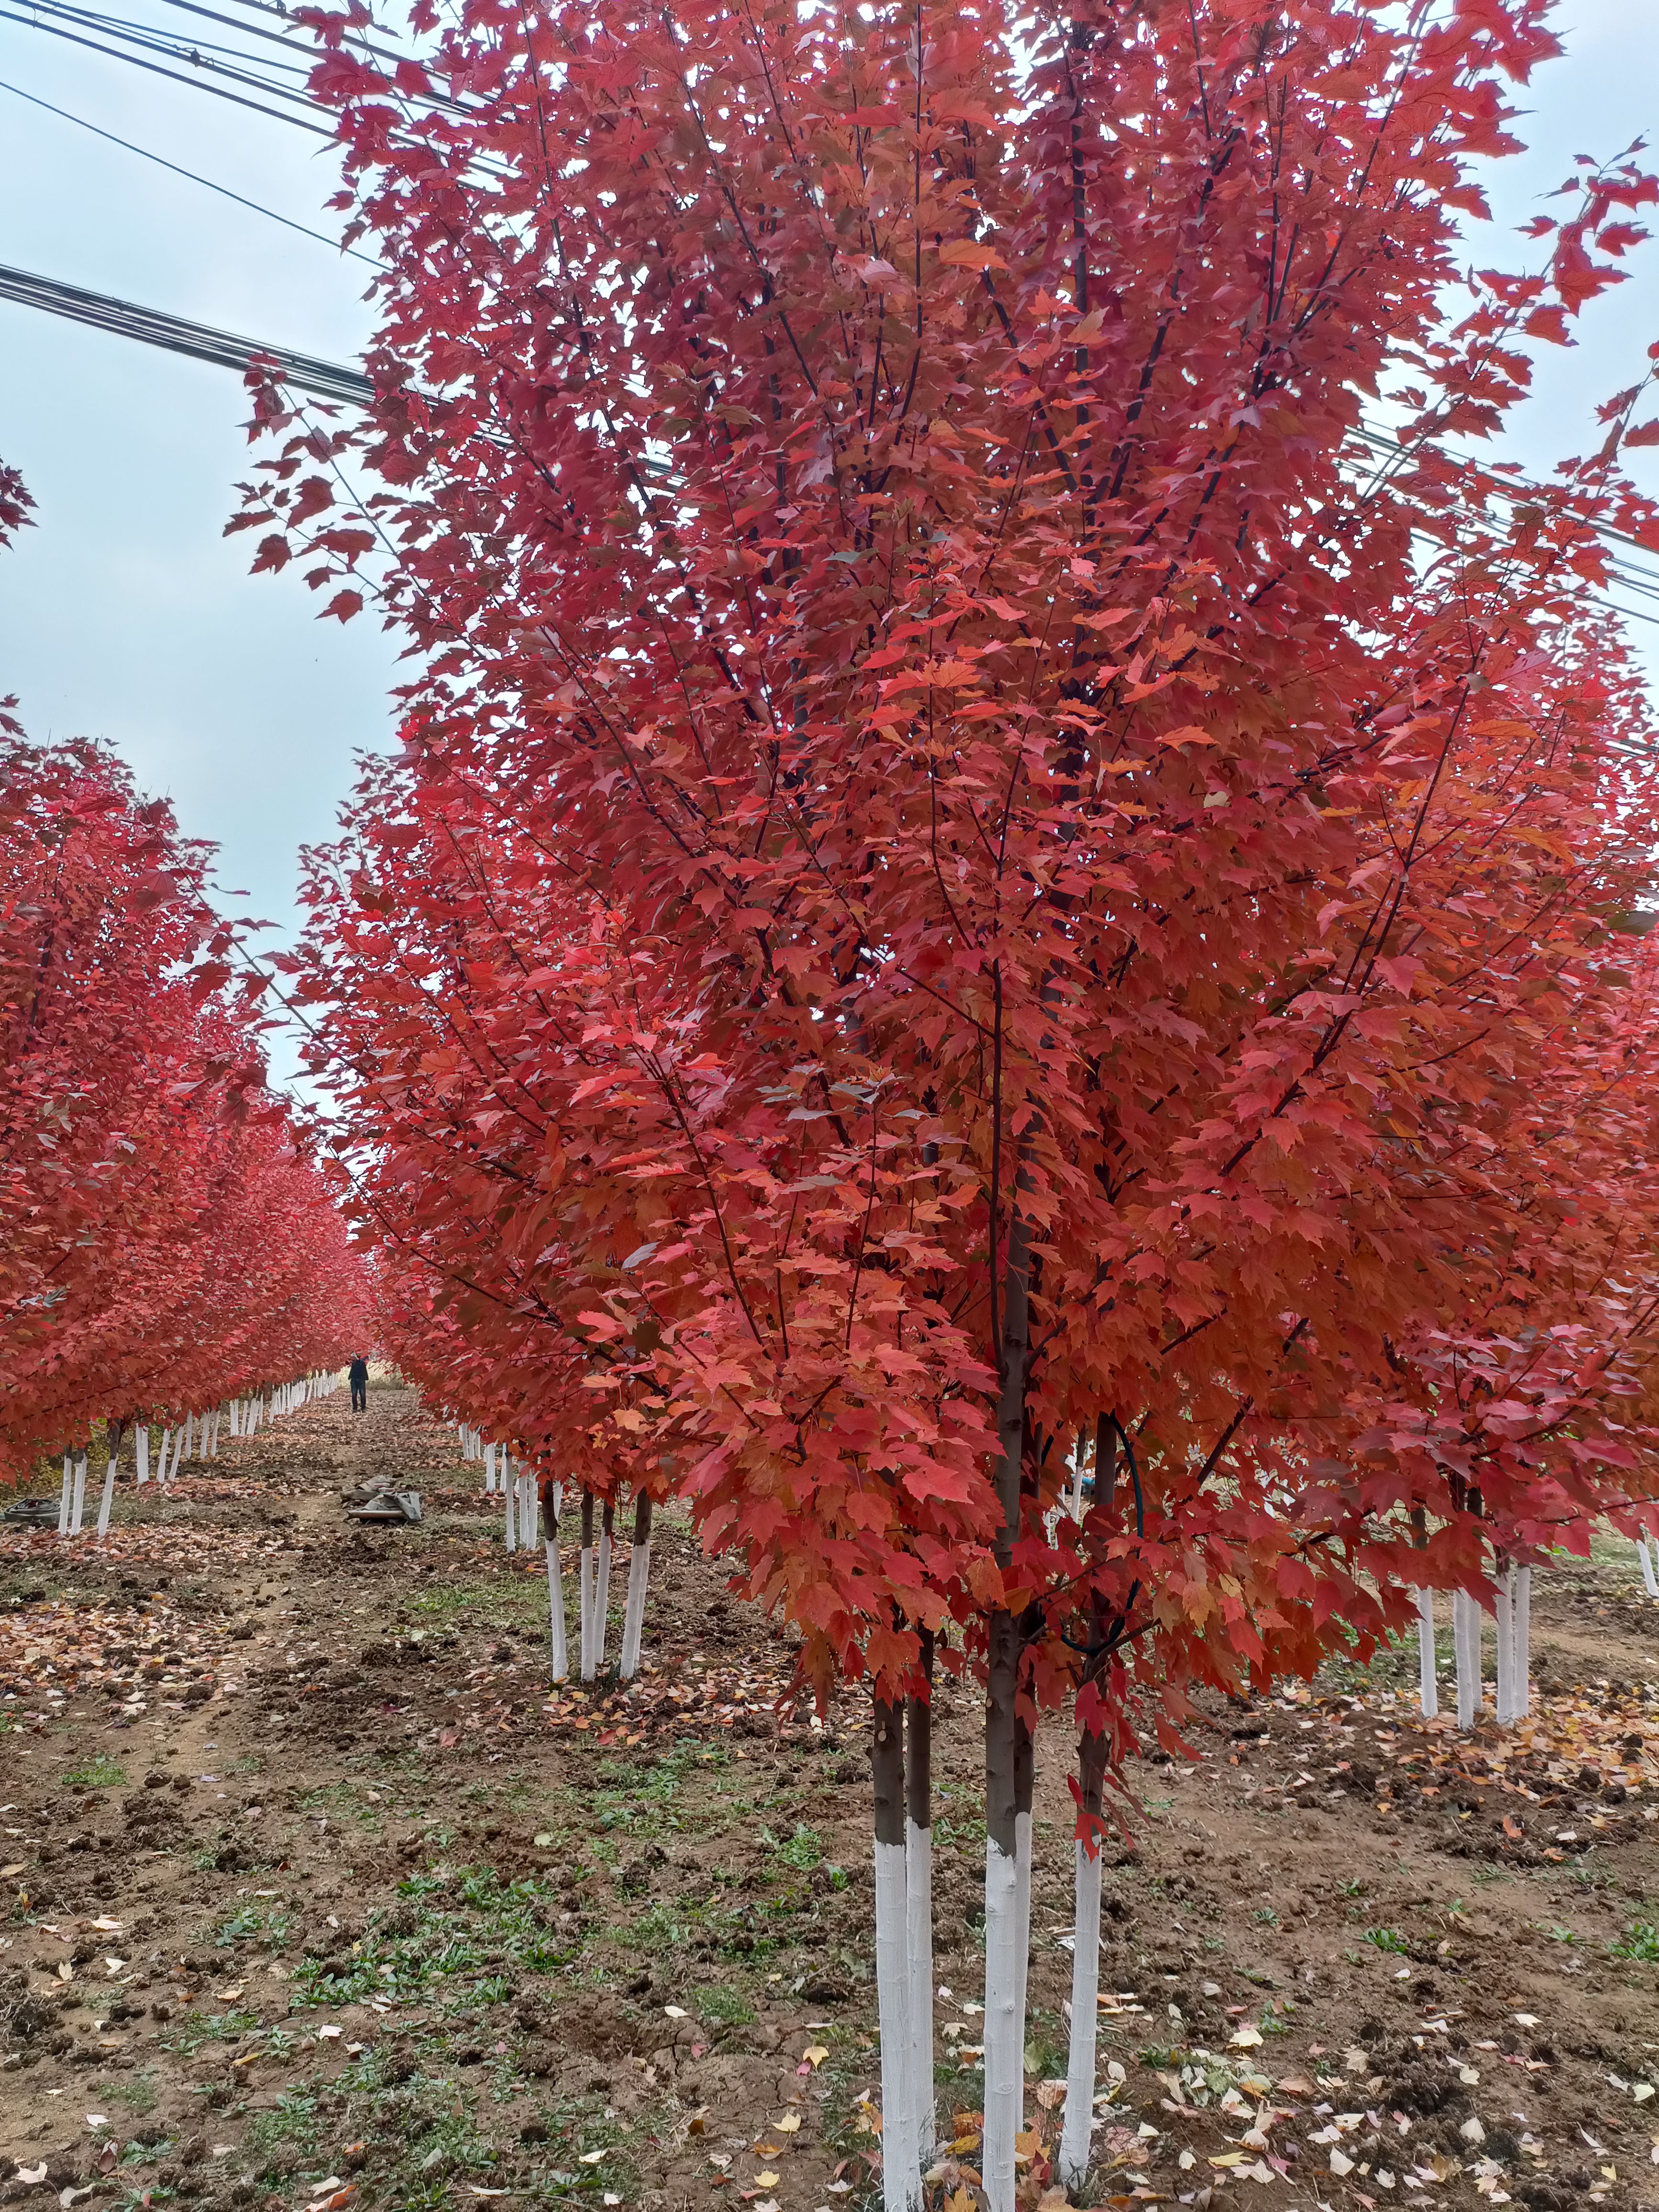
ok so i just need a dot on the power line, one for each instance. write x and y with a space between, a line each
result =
161 162
333 380
328 379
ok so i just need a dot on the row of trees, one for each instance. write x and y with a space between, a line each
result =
165 1243
974 890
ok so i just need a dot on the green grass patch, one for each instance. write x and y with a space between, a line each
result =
723 2006
453 1935
292 2120
197 2028
100 1773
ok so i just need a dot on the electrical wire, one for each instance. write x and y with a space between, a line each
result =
328 379
127 146
138 61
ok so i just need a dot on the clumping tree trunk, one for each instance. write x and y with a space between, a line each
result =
919 1896
900 2163
602 1584
550 1490
639 1572
585 1578
117 1431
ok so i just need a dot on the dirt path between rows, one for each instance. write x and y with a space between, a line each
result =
314 1887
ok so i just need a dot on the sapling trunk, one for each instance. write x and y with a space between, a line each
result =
1649 1578
1466 1643
555 1578
1024 1781
78 1502
489 1470
900 2163
1428 1685
919 1896
512 1513
1004 2059
142 1451
585 1576
116 1431
67 1496
527 1531
639 1574
1076 2154
602 1584
1504 1621
1523 1633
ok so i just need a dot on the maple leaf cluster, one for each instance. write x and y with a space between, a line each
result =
164 1242
975 886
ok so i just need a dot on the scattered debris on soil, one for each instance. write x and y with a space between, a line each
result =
315 1894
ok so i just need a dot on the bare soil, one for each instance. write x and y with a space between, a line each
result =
312 1892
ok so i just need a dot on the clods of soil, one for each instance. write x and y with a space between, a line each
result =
313 1892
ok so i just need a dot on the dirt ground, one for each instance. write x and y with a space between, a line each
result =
311 1894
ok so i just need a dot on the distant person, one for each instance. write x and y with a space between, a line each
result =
358 1378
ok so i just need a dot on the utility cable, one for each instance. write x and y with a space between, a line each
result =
197 341
127 146
176 77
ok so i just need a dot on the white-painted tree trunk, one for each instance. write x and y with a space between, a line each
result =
66 1497
1005 2030
602 1587
142 1451
901 2160
1522 1632
489 1470
1649 1578
1428 1685
918 1947
78 1502
108 1495
1076 2153
1503 1622
1466 1639
1023 1935
512 1505
556 1590
528 1509
639 1578
585 1578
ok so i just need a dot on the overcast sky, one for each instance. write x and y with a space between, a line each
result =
127 615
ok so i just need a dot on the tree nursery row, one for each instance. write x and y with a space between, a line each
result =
1007 953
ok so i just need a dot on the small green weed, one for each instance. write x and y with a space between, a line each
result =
197 2028
1386 1939
803 1852
1641 1941
98 1773
447 1934
1265 1916
248 1923
725 2007
292 2119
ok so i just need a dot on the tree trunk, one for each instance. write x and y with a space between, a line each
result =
142 1441
1076 2154
602 1584
489 1470
512 1504
1024 1785
900 2165
1005 2028
919 1898
555 1579
1465 1642
78 1502
1650 1579
638 1574
585 1576
66 1497
116 1433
